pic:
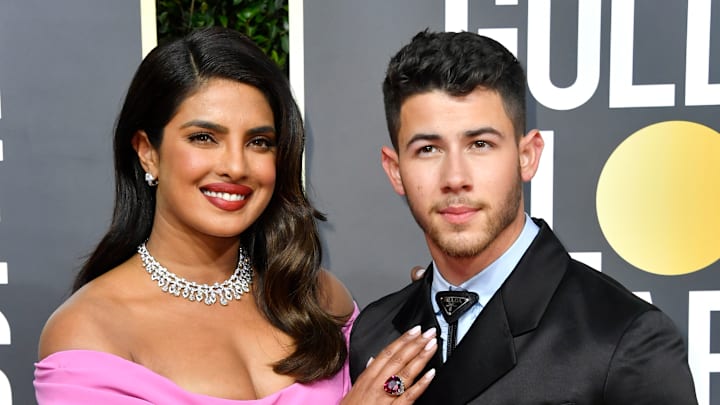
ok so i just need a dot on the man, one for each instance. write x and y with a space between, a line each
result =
520 321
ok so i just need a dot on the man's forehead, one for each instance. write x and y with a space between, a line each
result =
440 113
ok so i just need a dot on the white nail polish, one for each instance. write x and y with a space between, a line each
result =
414 331
429 333
430 374
370 360
430 344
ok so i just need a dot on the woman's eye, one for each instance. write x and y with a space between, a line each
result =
201 138
262 142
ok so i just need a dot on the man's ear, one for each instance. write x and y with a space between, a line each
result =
392 168
530 148
146 153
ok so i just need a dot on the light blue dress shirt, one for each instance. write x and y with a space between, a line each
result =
484 284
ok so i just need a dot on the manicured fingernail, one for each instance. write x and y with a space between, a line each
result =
370 360
414 331
419 272
430 374
429 333
430 344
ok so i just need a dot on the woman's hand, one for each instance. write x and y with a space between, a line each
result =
405 358
416 273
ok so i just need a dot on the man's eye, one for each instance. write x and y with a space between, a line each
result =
427 149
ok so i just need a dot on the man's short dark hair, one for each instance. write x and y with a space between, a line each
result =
457 63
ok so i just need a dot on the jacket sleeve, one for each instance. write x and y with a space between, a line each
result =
650 365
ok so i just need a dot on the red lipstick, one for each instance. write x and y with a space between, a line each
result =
226 196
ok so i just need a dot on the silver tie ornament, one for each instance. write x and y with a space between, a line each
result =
453 304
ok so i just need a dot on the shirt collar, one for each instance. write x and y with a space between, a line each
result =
489 279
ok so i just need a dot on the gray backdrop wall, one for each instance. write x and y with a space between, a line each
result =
626 93
64 68
626 187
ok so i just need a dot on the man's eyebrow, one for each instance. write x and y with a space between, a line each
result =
468 134
207 125
421 137
483 131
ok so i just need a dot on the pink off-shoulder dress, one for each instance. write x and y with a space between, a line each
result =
97 378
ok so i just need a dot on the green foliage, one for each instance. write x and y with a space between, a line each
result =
263 21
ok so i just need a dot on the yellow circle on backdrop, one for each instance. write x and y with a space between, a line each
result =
658 198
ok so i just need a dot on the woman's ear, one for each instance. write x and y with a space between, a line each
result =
146 153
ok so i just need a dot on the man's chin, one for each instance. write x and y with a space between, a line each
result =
462 247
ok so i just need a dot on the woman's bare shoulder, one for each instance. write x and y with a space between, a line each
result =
85 321
336 299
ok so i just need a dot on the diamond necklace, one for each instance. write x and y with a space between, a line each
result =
232 288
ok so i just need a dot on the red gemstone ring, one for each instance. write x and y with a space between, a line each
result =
394 385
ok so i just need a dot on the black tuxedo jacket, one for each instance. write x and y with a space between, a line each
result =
557 332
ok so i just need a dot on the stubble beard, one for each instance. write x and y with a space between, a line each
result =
457 243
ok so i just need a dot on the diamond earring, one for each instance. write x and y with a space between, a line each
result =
150 179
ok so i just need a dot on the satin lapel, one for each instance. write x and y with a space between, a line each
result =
484 355
531 286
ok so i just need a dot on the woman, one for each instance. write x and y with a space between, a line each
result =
207 288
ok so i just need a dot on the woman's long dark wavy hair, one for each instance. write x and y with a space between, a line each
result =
283 241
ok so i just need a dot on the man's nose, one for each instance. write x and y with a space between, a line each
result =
456 173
